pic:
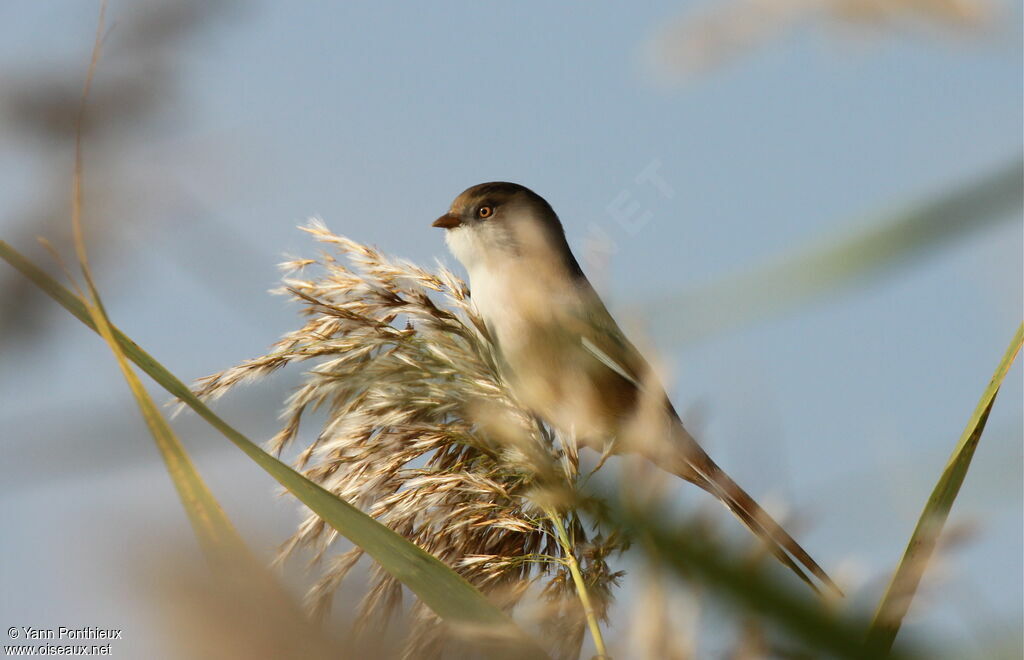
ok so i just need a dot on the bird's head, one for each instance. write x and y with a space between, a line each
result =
491 223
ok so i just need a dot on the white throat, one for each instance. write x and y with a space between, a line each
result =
492 275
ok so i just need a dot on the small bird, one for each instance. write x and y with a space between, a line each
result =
564 356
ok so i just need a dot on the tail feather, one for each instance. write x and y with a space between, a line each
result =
696 466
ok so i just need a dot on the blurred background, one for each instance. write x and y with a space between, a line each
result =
737 178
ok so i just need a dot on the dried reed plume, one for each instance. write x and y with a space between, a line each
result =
720 32
422 434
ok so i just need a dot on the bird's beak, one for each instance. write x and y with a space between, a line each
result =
447 221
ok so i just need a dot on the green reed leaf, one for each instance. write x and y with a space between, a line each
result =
900 593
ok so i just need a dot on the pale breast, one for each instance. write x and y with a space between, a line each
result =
497 301
540 345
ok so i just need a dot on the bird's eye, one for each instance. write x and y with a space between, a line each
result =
485 212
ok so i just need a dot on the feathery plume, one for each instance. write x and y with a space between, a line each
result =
422 433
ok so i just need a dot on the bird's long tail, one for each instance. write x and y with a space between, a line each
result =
693 464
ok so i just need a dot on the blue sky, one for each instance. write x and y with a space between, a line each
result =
375 115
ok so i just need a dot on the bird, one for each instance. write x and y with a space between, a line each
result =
565 358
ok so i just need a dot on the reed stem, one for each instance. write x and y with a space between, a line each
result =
581 586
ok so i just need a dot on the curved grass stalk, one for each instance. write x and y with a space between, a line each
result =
217 537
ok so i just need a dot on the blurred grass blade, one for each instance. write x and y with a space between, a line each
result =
439 587
911 568
690 552
217 536
836 264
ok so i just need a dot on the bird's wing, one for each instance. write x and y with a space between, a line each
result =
602 338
